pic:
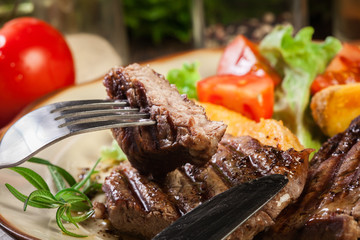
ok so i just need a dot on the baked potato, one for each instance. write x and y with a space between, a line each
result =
333 108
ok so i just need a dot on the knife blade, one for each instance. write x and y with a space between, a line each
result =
221 215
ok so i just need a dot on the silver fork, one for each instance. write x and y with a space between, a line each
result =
52 123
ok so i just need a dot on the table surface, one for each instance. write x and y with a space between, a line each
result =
88 50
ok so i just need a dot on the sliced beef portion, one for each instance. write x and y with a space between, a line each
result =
136 205
242 159
182 134
266 160
182 191
237 160
329 207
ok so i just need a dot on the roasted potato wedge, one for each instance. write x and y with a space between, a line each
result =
267 131
333 108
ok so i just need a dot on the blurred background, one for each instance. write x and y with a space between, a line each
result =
140 30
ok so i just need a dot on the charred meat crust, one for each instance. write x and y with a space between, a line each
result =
182 134
236 161
329 207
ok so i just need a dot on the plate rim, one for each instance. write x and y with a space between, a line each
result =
13 231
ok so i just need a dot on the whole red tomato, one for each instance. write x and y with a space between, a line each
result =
34 60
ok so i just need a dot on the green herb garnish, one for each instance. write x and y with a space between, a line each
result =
73 204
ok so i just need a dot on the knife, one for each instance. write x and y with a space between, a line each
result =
221 215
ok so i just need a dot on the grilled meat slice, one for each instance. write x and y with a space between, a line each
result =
265 160
136 205
329 207
182 191
183 133
237 160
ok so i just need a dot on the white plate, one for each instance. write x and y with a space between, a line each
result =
75 153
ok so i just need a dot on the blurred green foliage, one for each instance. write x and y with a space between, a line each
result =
158 19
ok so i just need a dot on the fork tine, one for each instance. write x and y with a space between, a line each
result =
104 117
88 104
95 111
95 126
85 113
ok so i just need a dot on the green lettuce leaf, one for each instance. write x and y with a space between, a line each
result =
299 60
185 79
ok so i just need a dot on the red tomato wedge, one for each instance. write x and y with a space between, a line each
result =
249 94
343 69
347 58
242 56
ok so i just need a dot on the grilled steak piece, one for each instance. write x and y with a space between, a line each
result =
135 205
266 160
329 207
237 160
182 134
182 191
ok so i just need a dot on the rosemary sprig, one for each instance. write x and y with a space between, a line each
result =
71 201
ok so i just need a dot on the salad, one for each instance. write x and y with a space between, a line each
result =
277 78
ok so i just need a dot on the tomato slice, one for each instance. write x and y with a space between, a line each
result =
328 79
343 69
347 58
242 56
249 94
